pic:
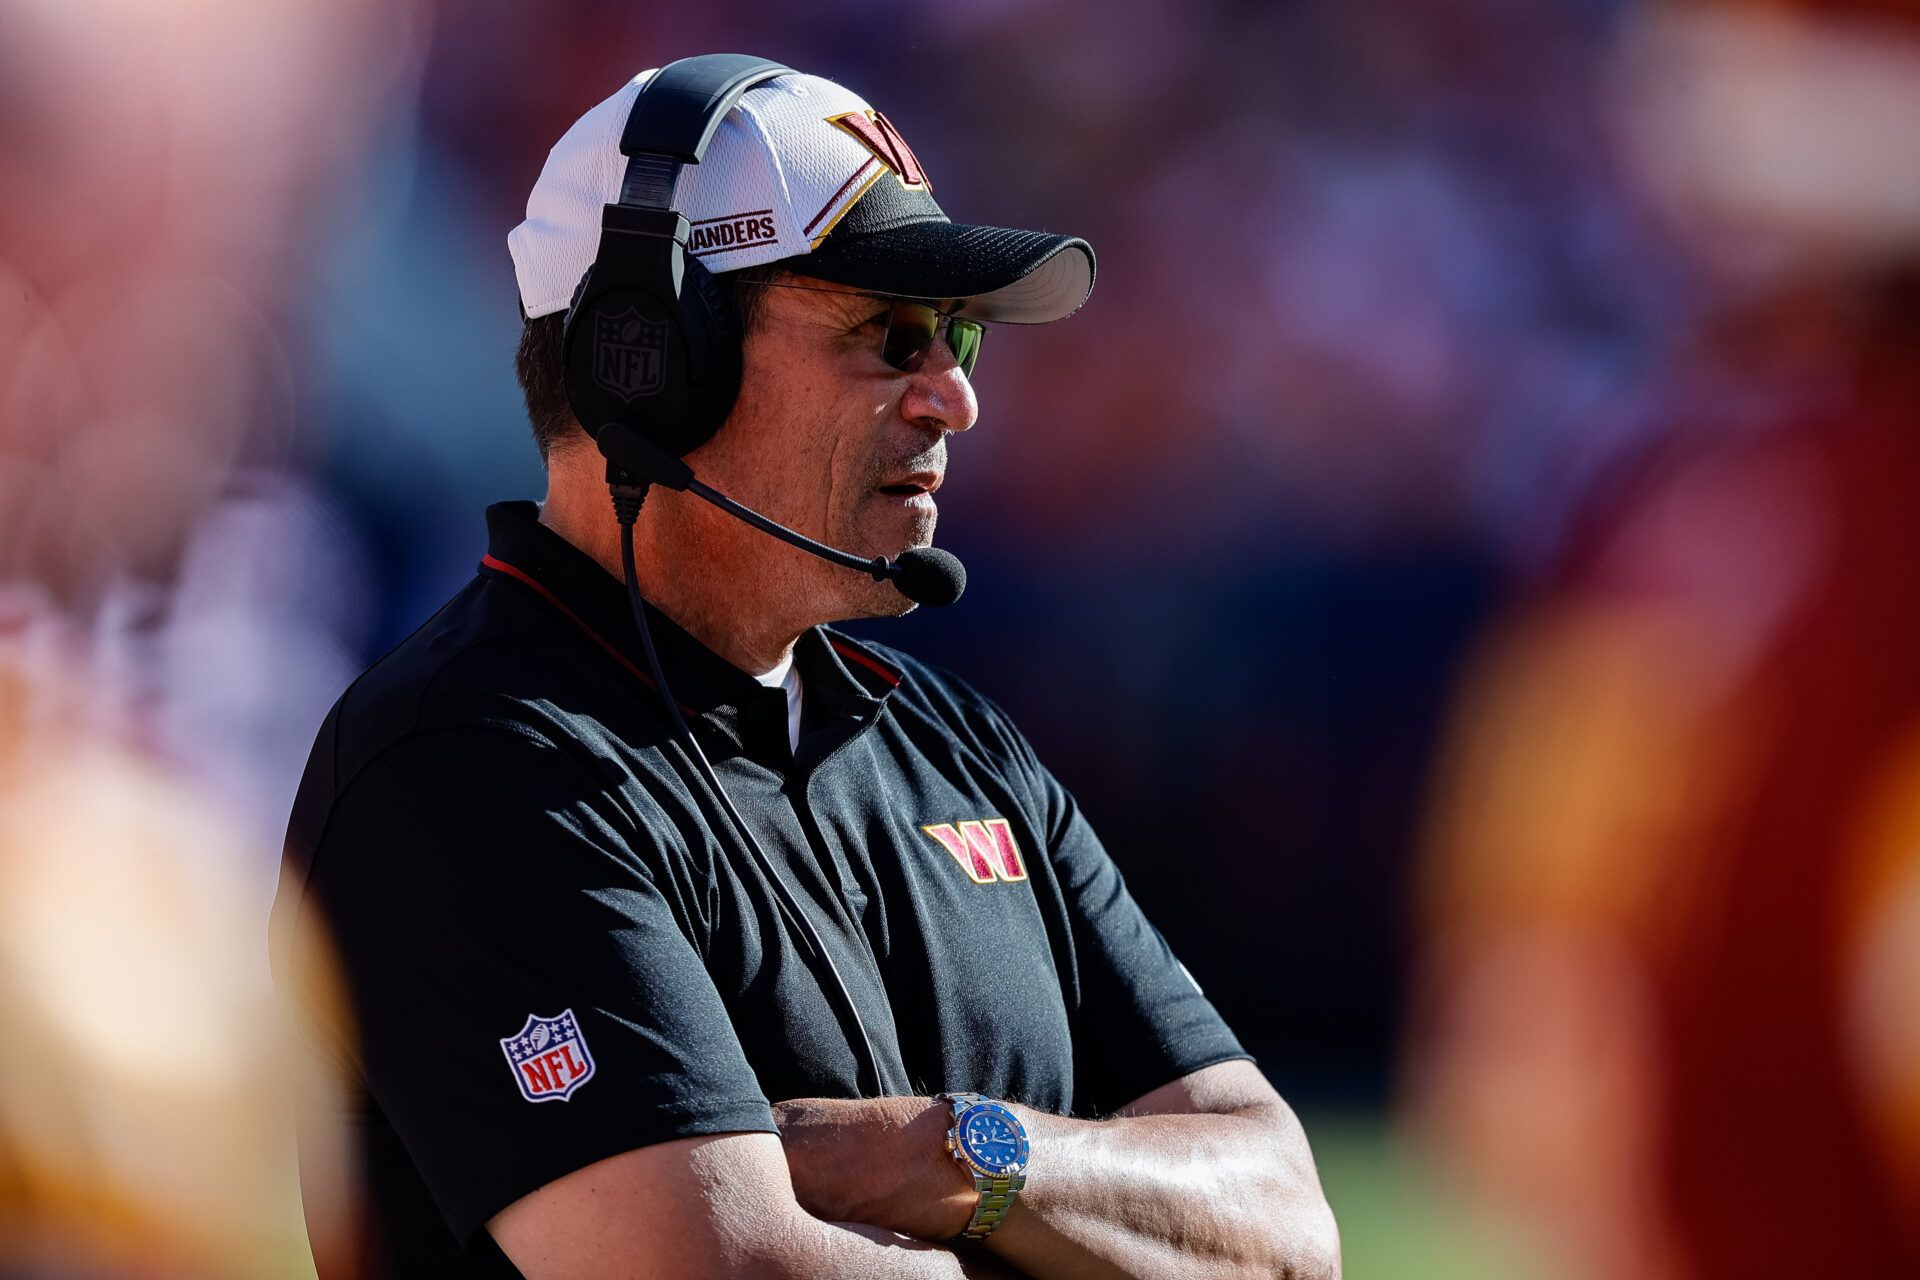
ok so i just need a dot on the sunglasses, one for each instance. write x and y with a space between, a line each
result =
912 326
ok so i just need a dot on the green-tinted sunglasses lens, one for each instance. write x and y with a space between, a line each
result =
964 337
911 328
910 331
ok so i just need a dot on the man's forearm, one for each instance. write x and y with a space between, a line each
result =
1170 1195
709 1207
800 1248
1187 1195
880 1254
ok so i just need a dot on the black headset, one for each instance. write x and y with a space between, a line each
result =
653 347
652 340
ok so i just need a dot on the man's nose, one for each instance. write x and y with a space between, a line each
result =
938 394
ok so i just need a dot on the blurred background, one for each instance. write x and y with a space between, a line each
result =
1462 558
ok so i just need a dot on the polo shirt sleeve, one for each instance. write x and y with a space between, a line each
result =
1140 1020
526 995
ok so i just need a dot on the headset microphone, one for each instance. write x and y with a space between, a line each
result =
924 575
929 576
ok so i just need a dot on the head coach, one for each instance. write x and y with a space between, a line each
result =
675 933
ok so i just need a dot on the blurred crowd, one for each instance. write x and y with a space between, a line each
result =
1462 557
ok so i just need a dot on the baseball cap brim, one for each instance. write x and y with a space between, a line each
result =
1004 275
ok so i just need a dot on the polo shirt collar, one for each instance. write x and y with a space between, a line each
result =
850 682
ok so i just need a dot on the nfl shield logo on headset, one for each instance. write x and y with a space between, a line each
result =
549 1057
629 353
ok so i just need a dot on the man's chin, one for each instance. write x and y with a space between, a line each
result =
895 526
877 600
867 598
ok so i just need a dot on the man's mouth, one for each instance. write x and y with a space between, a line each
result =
920 482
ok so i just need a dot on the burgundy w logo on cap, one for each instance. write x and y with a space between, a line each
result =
876 133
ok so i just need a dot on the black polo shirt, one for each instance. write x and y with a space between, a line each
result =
549 957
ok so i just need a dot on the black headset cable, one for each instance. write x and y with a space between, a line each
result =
629 493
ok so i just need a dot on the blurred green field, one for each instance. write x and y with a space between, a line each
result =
1398 1220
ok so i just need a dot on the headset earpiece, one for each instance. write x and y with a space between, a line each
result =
652 339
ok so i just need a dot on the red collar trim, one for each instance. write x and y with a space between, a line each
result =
872 664
845 650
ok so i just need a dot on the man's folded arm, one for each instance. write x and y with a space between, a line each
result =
1206 1178
716 1206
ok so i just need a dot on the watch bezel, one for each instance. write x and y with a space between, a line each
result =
958 1144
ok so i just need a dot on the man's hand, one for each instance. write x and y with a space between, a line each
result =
1206 1177
881 1161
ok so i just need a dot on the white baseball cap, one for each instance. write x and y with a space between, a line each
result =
804 173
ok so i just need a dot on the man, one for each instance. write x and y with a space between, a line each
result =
581 1033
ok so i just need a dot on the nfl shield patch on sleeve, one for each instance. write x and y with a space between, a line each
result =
549 1057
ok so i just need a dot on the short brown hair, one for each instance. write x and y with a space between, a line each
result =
541 361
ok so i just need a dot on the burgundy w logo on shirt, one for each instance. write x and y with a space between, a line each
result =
986 851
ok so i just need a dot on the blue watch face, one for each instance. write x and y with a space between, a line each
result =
993 1140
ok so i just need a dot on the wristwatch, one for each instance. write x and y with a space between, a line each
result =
991 1145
